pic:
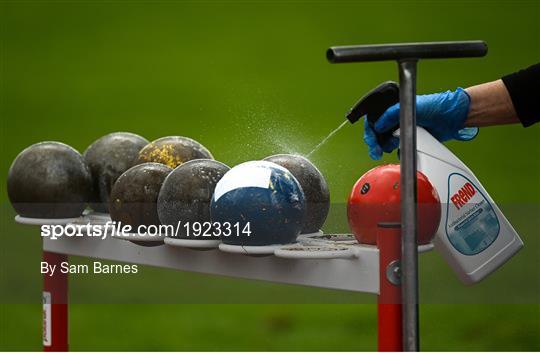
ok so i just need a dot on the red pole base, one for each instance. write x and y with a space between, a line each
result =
390 337
55 305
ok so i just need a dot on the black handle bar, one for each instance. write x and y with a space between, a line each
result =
381 52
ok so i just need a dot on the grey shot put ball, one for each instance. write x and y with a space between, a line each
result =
187 192
134 195
49 180
314 186
173 151
108 157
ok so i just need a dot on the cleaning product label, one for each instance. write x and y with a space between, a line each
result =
471 222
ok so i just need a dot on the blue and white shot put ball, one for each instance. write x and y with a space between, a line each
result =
262 196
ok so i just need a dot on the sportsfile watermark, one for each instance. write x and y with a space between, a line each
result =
119 229
110 282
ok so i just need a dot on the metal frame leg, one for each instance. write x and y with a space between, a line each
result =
390 333
407 98
55 305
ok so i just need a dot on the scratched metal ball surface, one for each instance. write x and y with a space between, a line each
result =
49 180
134 195
263 196
314 186
186 194
108 157
173 151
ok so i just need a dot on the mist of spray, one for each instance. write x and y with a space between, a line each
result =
327 138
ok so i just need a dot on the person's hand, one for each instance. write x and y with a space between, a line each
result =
443 115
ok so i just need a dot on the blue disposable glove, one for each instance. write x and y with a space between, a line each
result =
443 115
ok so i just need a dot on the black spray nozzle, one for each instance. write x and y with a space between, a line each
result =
374 104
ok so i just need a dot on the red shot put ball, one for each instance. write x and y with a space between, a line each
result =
375 198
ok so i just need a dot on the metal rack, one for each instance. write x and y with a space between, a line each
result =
311 262
318 260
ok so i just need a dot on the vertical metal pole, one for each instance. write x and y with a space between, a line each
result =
409 249
55 305
389 316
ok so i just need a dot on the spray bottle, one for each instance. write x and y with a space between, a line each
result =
473 236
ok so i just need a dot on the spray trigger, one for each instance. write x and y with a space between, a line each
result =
374 104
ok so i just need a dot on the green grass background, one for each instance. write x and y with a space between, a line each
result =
250 79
